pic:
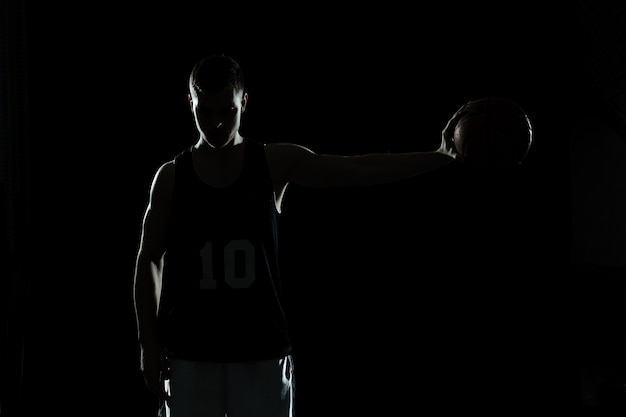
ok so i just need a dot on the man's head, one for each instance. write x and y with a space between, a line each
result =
218 98
215 73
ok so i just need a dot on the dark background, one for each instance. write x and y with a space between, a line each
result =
449 289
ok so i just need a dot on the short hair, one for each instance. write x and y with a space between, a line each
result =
216 72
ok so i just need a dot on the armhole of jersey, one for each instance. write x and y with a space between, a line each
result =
262 155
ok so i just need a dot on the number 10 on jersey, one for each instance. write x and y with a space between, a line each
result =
236 252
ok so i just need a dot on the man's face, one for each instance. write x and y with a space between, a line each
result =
218 115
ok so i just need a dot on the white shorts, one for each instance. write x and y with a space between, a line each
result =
240 389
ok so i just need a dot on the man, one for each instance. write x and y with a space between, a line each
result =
212 331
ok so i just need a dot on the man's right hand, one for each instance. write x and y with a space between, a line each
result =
155 369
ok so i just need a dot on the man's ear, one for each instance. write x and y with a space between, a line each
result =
244 102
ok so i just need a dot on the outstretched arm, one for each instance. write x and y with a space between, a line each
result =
297 164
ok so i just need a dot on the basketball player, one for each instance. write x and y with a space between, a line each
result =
207 292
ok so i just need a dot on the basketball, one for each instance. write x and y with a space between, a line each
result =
493 133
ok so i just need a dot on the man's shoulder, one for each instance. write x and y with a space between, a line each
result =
285 148
166 169
185 152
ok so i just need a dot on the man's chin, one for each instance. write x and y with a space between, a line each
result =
218 141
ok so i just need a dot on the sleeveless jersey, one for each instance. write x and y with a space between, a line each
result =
221 297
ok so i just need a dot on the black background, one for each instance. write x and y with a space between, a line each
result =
441 290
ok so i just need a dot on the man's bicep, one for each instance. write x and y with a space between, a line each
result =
299 165
324 170
153 231
157 214
285 161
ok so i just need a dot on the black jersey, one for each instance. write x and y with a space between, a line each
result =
221 295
